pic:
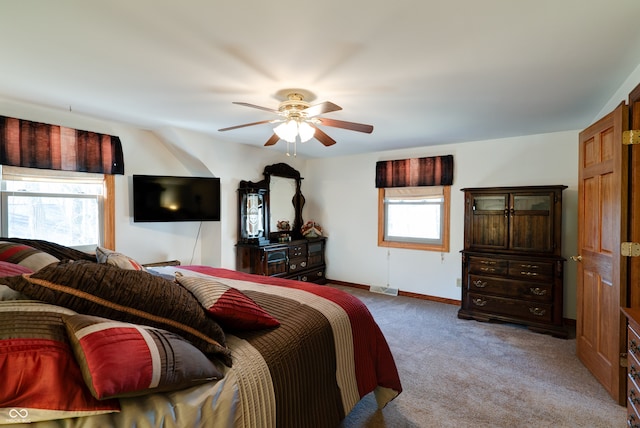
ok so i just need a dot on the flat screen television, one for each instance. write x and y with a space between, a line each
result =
169 198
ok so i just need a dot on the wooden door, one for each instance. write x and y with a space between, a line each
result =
633 263
602 226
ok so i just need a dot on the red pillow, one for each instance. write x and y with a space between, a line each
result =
227 305
40 377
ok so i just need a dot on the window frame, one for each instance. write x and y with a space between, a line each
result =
443 247
107 205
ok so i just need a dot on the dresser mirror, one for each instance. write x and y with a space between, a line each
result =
285 200
264 205
281 193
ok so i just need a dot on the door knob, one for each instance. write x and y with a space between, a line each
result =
576 258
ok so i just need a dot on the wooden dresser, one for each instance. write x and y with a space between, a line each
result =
633 366
512 269
302 259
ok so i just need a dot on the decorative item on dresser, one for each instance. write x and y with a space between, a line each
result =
633 366
511 264
264 248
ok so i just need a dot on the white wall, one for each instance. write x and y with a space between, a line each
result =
622 94
342 196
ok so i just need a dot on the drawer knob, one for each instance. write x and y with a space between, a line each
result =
537 311
304 278
303 264
633 372
487 262
319 273
530 266
486 269
538 291
633 396
478 283
529 273
292 266
479 302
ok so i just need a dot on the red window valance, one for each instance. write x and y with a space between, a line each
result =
431 171
39 145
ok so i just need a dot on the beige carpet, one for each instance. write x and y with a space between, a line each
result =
460 373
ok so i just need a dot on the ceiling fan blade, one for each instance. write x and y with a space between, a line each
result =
321 108
352 126
322 137
271 141
246 124
258 107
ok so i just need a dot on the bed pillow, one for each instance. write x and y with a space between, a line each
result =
25 255
40 377
104 255
122 359
59 251
11 269
125 295
228 305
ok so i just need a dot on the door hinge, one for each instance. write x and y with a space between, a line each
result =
623 360
630 249
631 137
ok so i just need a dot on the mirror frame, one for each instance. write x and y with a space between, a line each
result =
285 171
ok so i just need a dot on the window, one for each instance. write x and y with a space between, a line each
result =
69 208
414 217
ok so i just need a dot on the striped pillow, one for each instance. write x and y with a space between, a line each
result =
25 256
227 305
104 255
122 359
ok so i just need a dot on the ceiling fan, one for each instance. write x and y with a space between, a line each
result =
299 120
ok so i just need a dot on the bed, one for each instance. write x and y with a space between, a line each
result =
177 346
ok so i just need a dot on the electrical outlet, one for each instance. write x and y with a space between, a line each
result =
459 282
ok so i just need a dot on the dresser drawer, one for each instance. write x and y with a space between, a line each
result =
633 391
531 270
481 265
510 288
298 250
633 420
522 309
313 275
297 264
633 341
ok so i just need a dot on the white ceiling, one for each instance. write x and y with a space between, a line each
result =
422 72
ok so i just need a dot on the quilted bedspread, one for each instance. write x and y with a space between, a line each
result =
327 354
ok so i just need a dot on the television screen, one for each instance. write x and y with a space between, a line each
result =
167 198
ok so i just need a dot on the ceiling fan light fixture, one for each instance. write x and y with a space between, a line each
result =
305 131
287 130
298 119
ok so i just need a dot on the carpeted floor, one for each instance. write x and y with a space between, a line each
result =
460 373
